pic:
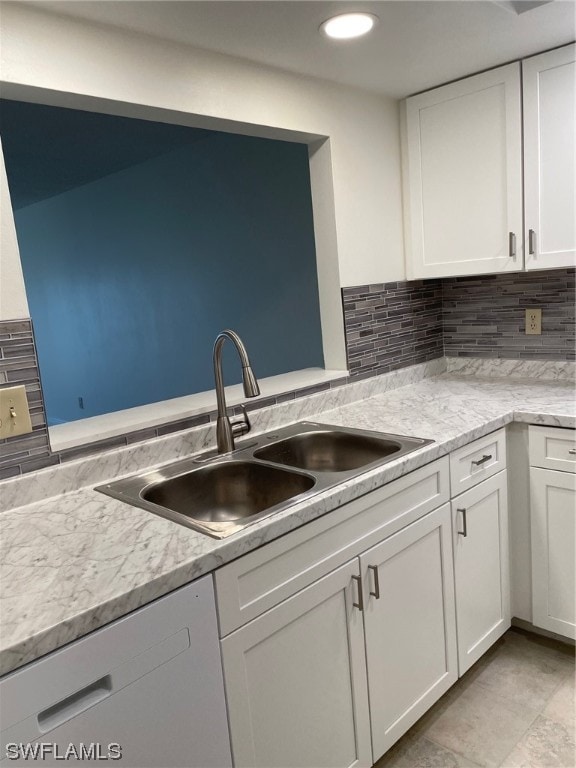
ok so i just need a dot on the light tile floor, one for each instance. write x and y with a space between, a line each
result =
514 708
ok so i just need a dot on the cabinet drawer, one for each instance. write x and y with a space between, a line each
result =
261 579
477 461
553 448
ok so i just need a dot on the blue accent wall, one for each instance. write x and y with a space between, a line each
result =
50 150
131 277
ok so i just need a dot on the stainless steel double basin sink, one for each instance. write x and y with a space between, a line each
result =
221 494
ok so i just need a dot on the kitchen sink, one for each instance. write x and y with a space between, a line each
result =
234 490
329 451
220 494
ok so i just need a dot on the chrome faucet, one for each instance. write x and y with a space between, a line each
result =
226 430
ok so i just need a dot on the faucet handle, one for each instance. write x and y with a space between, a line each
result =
241 425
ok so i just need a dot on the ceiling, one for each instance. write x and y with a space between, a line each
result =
416 45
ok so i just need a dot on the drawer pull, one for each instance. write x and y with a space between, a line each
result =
464 531
360 603
572 451
376 593
483 460
72 705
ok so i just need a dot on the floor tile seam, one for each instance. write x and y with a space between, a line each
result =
505 701
564 677
554 722
571 736
503 763
560 685
451 749
559 659
503 697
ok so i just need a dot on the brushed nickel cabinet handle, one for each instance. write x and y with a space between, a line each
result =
483 460
376 593
512 245
360 603
531 242
464 531
572 451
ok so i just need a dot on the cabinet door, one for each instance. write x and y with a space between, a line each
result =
463 166
409 625
553 514
549 85
296 680
481 567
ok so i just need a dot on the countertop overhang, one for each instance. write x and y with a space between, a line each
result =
75 562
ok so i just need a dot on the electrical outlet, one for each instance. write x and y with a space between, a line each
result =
534 321
14 412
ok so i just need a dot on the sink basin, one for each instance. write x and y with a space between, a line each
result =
224 492
220 494
329 451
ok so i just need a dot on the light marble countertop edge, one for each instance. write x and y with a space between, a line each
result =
145 557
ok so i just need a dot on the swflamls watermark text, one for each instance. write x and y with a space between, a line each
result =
42 750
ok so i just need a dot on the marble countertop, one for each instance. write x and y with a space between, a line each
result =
75 562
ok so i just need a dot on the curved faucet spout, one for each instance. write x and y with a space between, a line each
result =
225 430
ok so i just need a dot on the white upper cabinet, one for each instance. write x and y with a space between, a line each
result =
462 163
550 158
463 177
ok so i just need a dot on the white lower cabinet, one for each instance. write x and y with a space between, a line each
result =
553 522
553 528
409 624
296 680
379 629
481 567
329 661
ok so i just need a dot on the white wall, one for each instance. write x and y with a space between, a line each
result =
13 303
74 63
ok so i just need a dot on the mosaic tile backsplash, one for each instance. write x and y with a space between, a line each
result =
388 326
392 325
485 316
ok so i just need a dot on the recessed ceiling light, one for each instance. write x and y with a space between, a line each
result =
348 25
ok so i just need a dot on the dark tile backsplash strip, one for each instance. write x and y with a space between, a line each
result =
18 365
485 316
392 325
